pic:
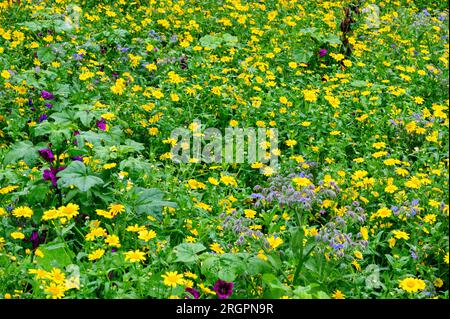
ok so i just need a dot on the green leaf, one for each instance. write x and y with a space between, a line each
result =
187 252
210 41
24 150
149 201
76 174
45 54
230 40
55 255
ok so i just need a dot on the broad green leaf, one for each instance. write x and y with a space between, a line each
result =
187 252
24 150
45 54
76 174
55 255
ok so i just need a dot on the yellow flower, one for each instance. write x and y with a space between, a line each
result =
301 181
358 254
55 291
147 235
438 283
69 211
446 258
249 213
17 235
50 214
23 211
291 143
412 285
5 74
56 275
172 278
134 256
216 248
274 242
400 234
109 165
338 295
116 209
97 254
310 95
384 212
112 240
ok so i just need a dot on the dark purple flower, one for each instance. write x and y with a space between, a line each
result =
192 292
322 52
77 158
36 240
50 175
48 105
47 95
223 289
42 118
30 101
47 154
102 124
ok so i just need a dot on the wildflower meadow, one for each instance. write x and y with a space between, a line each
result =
227 149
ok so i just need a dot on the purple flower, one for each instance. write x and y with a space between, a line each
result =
47 154
48 105
192 292
42 118
36 240
322 52
102 124
50 175
47 95
223 289
77 158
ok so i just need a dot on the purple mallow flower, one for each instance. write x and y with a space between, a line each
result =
322 52
47 95
47 154
223 289
193 292
50 174
101 124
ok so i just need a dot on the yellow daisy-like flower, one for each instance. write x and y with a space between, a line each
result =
134 256
69 211
113 240
412 285
172 279
55 291
22 211
400 234
17 235
116 208
216 248
274 242
147 235
97 254
338 295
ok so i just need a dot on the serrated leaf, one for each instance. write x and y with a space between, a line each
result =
187 252
24 150
45 54
76 174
